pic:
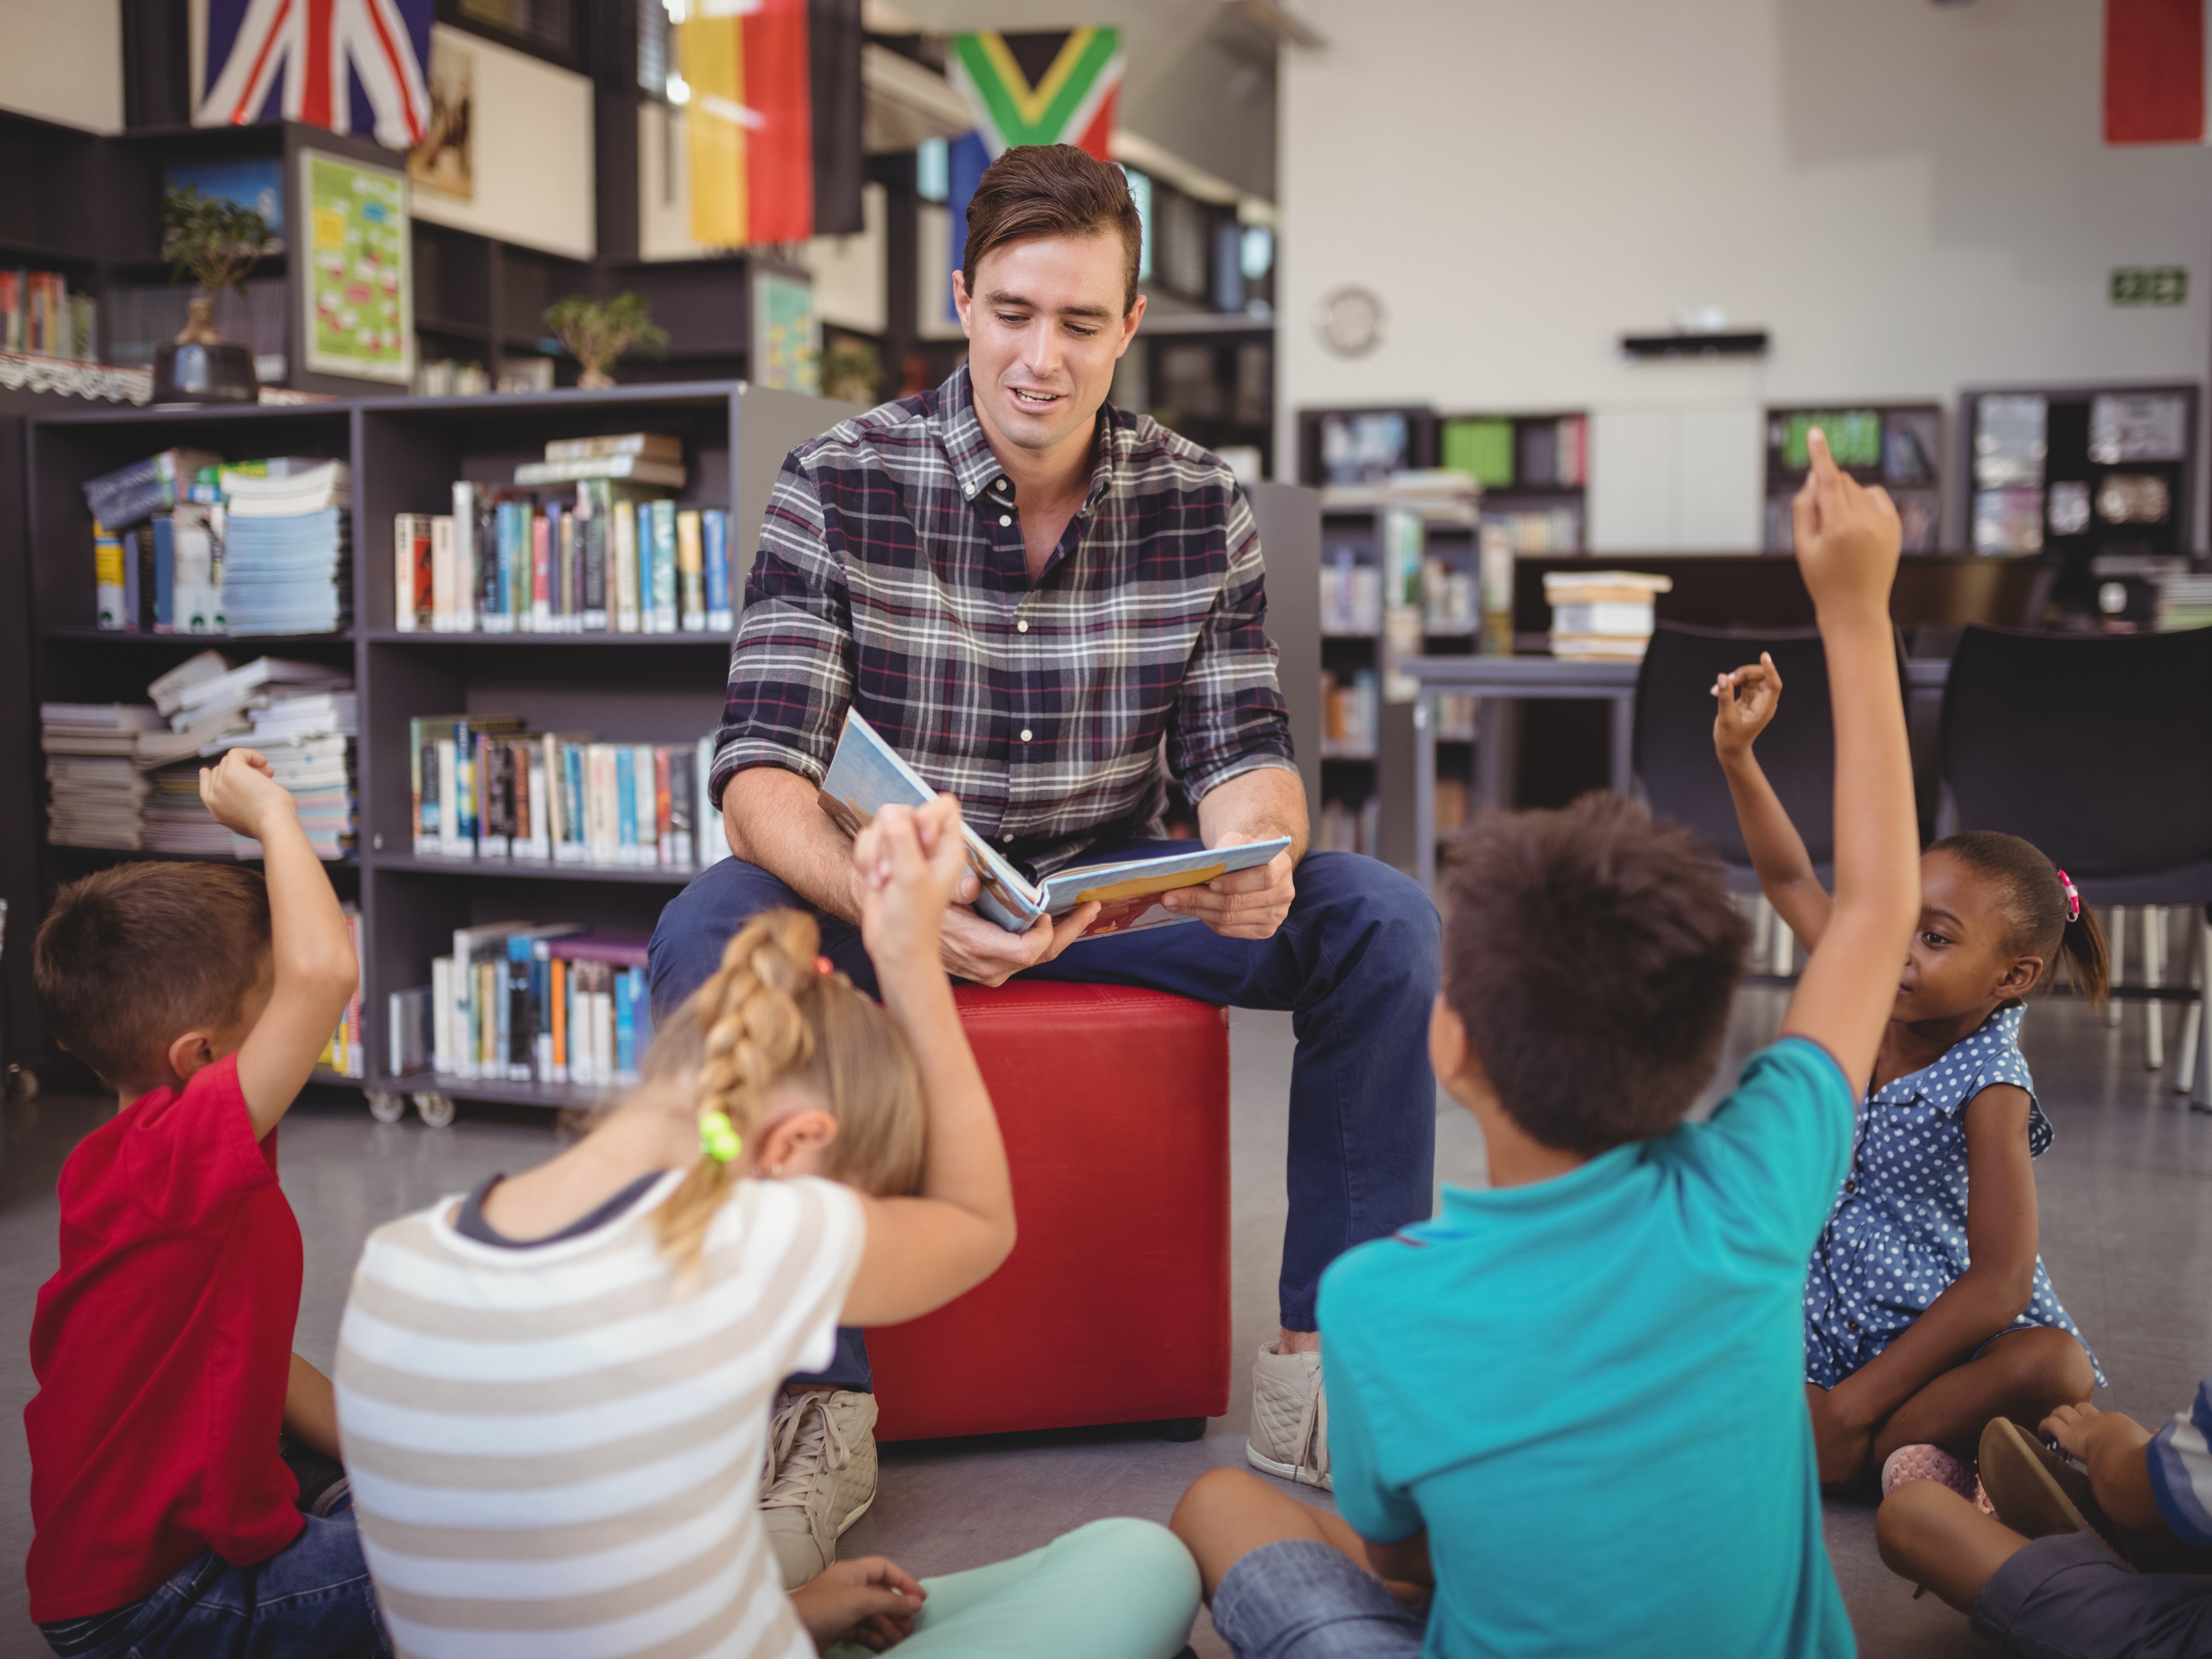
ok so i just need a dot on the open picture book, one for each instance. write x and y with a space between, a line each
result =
867 774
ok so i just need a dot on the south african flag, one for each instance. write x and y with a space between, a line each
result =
1058 88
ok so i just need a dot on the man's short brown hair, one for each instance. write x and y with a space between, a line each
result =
1052 190
1592 953
130 958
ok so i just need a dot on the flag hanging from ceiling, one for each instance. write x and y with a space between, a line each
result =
1057 88
748 122
2154 72
346 66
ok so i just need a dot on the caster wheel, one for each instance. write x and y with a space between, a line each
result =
436 1110
386 1106
23 1083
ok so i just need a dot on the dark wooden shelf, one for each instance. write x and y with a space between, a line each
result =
139 636
480 332
127 855
595 636
554 1095
655 875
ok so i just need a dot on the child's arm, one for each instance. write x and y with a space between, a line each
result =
2001 1243
2116 1450
923 1251
312 961
311 1410
1847 546
1747 700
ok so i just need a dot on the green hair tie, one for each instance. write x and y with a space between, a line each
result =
718 1138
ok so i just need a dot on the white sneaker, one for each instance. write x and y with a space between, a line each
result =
1290 1418
820 1477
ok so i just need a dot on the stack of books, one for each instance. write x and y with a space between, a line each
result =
95 792
527 1004
343 1053
307 737
1602 616
40 318
483 787
1351 712
285 550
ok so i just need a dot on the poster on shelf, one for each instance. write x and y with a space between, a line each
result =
359 295
444 163
788 335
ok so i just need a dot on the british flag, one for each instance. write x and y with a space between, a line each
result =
344 65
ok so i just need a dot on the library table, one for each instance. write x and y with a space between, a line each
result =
1499 680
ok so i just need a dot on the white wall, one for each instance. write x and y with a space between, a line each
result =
531 131
63 60
1912 198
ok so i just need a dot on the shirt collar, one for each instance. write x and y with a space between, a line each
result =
1961 1072
975 469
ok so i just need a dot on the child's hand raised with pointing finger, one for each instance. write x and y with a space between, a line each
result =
1847 535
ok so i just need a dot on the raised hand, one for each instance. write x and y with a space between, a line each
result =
911 862
1847 534
1748 698
241 791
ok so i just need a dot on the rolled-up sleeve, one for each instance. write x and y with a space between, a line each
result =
791 666
1230 718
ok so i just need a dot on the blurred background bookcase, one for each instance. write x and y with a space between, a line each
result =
1897 445
404 454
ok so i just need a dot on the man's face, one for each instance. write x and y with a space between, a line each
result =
1045 326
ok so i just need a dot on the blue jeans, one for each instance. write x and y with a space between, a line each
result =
311 1599
1355 962
1301 1599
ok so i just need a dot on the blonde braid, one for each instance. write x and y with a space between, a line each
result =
756 1034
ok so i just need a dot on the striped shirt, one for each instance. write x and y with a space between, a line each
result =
890 577
2180 1457
555 1451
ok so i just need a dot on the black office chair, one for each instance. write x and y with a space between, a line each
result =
1679 772
2099 750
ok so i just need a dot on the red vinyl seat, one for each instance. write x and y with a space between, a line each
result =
1114 1307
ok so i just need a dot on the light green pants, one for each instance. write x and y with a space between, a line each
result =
1114 1589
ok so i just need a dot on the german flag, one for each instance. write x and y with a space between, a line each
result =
749 123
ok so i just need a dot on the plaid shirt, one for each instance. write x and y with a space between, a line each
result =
890 577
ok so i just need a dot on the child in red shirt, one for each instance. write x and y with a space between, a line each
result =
168 1521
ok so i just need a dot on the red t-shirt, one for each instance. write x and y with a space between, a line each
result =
162 1348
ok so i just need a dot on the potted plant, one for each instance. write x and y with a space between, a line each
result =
215 243
852 372
596 332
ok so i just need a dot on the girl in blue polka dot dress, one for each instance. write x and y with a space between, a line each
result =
1924 1318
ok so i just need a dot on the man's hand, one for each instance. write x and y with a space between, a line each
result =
1848 536
1841 1444
871 1602
976 949
1244 903
241 791
1746 699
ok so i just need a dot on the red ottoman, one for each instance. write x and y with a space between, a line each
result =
1114 1307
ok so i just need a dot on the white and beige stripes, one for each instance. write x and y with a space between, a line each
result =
555 1451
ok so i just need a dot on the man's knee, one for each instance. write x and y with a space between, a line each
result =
693 926
1379 914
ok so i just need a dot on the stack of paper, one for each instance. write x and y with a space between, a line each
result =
95 792
1602 616
285 554
176 819
318 771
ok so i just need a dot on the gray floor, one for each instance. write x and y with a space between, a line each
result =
2126 1230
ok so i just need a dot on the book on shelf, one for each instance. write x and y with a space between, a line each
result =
867 774
482 787
634 469
1349 714
521 1003
39 317
121 498
1351 826
596 558
664 447
345 1053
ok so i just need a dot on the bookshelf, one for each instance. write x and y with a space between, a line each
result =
1897 445
404 453
1534 470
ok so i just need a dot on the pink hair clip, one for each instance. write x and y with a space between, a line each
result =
822 965
2073 896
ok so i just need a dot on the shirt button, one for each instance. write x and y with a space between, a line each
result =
1025 734
1021 628
1853 1323
1008 836
1001 484
1850 1186
1005 517
967 489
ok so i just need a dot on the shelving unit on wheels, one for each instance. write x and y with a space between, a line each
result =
404 453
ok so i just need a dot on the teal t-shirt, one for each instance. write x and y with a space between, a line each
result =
1590 1391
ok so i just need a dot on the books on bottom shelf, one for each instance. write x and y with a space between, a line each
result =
344 1053
521 1003
1348 827
484 788
1350 715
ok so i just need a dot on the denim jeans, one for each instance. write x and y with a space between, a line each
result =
1356 964
1300 1598
311 1599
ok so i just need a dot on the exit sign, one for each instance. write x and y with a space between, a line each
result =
2150 285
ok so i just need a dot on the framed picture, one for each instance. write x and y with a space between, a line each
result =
357 286
786 342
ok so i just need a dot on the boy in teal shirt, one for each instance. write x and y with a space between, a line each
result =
1567 1414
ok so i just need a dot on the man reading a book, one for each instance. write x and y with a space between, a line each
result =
1050 607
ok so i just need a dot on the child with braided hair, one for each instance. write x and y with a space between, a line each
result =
554 1393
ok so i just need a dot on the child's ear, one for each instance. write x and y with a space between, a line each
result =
188 1053
2025 974
794 1144
1448 1051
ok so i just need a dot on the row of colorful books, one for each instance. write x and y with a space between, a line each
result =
40 318
344 1052
483 787
521 1003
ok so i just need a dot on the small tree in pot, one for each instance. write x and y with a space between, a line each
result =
597 332
214 243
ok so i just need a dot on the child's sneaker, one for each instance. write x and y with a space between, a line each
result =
820 1477
1290 1418
1923 1462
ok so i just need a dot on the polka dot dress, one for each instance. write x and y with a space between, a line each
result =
1898 1236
